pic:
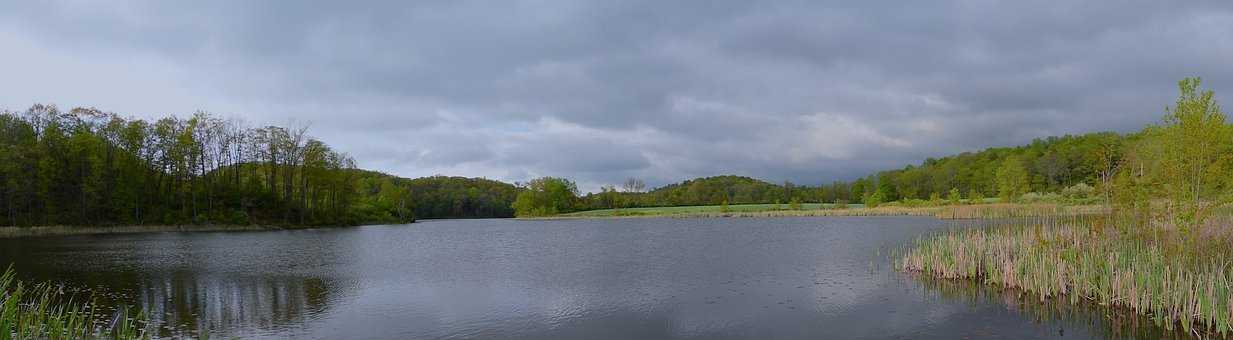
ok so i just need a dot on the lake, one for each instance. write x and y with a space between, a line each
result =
737 278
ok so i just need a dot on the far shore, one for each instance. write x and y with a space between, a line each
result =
19 232
962 211
618 213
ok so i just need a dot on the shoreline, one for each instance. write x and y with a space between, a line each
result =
945 212
1160 271
51 231
850 212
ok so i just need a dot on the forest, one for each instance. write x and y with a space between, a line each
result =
85 166
88 167
1048 169
1070 168
439 196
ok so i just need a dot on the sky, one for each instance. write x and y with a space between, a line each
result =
599 91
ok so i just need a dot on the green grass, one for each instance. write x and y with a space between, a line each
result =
988 209
44 311
695 209
1180 277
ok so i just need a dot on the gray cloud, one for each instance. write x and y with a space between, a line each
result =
807 91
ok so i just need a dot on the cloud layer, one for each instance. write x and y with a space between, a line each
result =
598 91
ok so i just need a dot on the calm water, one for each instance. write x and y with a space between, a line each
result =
776 278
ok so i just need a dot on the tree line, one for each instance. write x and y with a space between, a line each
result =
1187 155
88 167
85 166
441 196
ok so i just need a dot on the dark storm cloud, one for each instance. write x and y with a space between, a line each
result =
807 91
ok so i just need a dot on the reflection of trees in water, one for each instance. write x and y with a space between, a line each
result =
187 302
1112 323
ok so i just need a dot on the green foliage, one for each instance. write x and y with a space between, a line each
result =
454 197
723 207
546 196
1197 152
953 197
87 167
1036 197
1013 179
1079 193
794 204
1178 280
975 196
1167 252
42 311
873 200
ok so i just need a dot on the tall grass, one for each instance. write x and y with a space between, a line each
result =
1109 323
1010 210
1180 277
703 212
43 311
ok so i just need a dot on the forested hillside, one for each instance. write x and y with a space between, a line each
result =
441 196
1046 165
87 167
1071 166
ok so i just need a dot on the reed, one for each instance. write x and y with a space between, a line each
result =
1179 277
43 311
1012 210
861 211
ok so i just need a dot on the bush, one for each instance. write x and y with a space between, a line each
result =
1036 197
1080 191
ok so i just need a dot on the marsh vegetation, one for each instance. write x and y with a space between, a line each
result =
45 311
1160 248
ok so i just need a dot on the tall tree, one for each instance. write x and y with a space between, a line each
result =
1013 180
1197 152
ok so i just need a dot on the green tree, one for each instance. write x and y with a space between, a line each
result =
873 200
1013 180
86 166
952 198
975 196
1197 153
546 196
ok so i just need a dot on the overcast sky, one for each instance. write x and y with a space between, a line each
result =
597 91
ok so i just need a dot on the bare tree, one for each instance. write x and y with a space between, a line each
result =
634 185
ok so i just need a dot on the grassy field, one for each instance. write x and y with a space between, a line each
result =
994 210
696 209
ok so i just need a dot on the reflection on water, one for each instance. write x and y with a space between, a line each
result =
793 278
1109 323
185 302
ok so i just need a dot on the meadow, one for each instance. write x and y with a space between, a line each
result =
942 211
695 209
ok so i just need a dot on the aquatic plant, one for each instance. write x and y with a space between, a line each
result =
45 311
1178 277
1011 210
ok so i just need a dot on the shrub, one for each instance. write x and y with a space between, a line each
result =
1036 197
1080 191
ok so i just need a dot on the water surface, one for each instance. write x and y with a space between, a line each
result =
740 278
